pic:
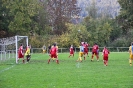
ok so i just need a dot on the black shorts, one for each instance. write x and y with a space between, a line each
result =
28 56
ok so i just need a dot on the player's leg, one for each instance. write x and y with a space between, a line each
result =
22 56
97 55
79 58
87 53
81 55
130 60
73 54
92 57
51 56
28 58
57 61
69 55
105 60
23 60
84 55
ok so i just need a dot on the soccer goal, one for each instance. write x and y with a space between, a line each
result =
9 47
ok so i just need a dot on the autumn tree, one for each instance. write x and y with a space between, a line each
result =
61 12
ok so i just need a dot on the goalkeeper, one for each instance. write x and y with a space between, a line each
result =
27 54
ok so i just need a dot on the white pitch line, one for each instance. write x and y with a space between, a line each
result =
7 69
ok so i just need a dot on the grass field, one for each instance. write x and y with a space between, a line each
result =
67 74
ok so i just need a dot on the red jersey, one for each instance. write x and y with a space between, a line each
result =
71 50
86 47
105 52
53 50
95 48
20 51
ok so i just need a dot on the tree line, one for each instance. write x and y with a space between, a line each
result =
49 21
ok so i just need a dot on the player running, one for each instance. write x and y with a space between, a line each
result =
21 53
85 44
81 52
131 54
53 54
71 50
105 54
95 51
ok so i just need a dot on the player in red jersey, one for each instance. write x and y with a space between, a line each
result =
21 53
105 56
85 49
53 54
95 51
71 51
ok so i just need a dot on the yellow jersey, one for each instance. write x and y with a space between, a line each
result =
131 50
27 51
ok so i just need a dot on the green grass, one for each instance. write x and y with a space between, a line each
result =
67 74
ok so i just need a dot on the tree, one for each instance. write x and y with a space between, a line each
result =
61 12
4 20
21 13
92 10
126 15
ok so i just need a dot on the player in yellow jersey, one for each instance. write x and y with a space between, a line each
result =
131 54
81 52
27 53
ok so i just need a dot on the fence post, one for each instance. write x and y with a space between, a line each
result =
117 49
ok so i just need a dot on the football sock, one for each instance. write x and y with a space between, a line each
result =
57 61
23 61
92 57
97 57
48 61
80 58
130 62
84 58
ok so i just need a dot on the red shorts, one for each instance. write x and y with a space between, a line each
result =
85 52
20 55
105 58
71 52
95 52
53 55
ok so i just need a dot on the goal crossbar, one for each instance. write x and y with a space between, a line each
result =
16 38
12 40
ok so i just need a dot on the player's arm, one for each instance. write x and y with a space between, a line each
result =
103 53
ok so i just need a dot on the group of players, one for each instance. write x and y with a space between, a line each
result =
53 53
26 53
83 52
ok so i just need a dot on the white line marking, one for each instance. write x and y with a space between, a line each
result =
7 69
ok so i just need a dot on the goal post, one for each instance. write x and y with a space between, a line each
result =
9 47
16 43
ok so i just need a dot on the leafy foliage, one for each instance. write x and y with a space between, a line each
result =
21 13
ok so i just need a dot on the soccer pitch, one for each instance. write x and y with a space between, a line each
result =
68 73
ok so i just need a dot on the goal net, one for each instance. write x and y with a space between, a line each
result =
9 47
